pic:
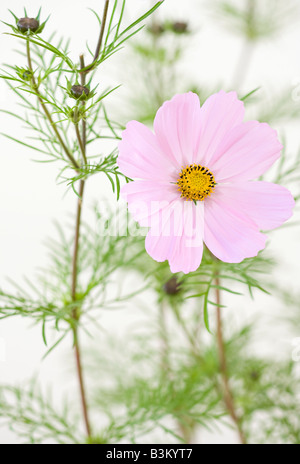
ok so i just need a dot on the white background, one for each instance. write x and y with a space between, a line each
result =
30 199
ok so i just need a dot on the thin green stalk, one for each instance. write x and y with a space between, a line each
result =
76 315
82 143
82 77
100 40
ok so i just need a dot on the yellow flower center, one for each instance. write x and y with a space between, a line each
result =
195 182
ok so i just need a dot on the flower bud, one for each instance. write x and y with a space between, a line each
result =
172 287
180 27
254 375
78 91
156 29
28 24
24 73
27 75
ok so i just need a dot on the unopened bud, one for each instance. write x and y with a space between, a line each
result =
78 91
28 24
24 74
254 375
157 29
172 287
27 75
180 27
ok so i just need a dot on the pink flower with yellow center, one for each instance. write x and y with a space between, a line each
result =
193 181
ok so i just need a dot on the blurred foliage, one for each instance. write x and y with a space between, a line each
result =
255 19
185 394
141 398
31 415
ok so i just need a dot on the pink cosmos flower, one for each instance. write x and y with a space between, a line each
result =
193 181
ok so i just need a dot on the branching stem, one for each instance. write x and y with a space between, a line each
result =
47 113
76 315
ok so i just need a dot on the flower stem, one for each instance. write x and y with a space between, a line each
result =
227 394
99 44
77 238
47 113
81 383
76 316
83 82
100 40
82 143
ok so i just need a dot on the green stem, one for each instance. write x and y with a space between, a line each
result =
76 316
81 143
100 40
82 77
77 239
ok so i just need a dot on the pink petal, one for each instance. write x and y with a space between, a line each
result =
177 127
178 237
140 155
228 233
187 254
220 113
147 198
268 205
246 152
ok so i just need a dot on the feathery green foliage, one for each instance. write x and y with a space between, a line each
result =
163 380
32 416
